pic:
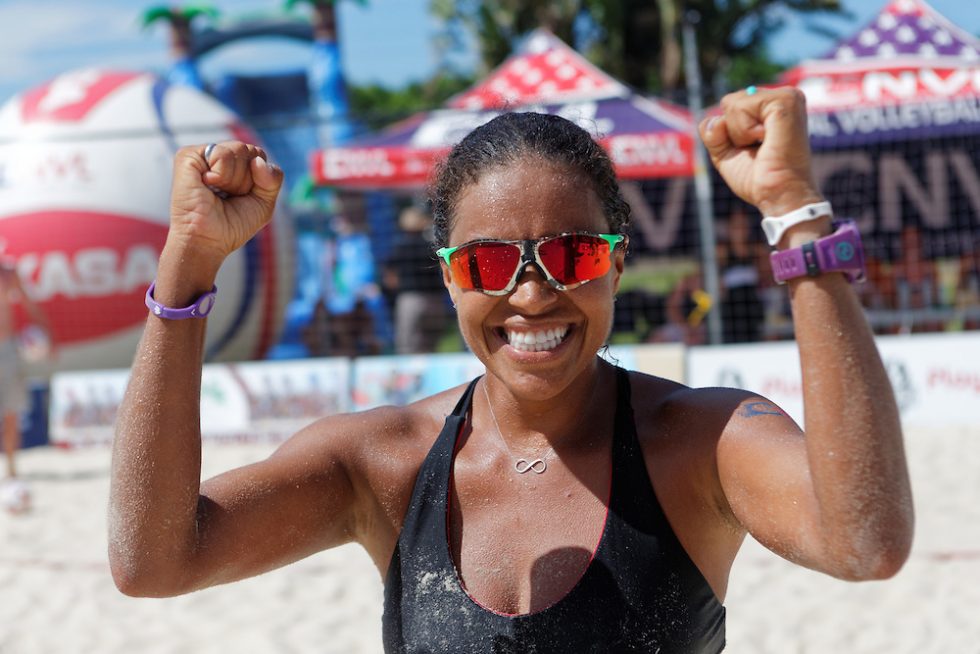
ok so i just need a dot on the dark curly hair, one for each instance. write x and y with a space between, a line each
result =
509 137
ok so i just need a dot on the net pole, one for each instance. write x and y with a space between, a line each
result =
702 180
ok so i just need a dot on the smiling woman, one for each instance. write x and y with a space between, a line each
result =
556 503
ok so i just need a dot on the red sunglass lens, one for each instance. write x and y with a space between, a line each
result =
487 266
575 258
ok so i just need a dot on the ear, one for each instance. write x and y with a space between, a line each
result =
447 281
619 262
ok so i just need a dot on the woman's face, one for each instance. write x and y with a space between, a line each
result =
530 199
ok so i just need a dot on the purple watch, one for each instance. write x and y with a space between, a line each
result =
841 251
202 305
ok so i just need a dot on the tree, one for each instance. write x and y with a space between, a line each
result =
378 106
179 19
638 41
323 16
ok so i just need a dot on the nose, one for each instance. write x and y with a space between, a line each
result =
533 293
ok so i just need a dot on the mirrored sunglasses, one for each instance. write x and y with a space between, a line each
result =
566 261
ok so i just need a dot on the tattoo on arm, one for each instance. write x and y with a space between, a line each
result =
753 409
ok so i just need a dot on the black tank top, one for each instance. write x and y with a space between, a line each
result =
640 593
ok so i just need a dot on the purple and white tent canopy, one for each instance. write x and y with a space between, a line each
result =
909 73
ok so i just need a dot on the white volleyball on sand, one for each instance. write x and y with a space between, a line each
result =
85 172
15 496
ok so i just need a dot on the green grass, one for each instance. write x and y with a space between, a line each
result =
656 275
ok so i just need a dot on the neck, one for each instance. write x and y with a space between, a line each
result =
530 425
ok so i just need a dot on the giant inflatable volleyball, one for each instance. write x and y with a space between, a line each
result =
85 171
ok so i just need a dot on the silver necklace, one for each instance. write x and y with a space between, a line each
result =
521 465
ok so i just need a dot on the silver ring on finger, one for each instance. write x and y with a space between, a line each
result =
208 150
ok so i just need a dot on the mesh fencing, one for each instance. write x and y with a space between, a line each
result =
366 280
917 204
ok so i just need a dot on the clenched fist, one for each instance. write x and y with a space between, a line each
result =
759 145
218 204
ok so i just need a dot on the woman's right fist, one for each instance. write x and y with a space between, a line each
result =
218 204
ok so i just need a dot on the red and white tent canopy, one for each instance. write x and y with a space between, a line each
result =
646 138
908 73
545 71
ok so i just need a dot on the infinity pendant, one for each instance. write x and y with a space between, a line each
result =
537 466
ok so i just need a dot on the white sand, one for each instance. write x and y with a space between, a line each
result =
56 595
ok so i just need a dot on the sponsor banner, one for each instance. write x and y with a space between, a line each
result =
644 138
932 184
266 400
642 156
271 400
915 83
860 125
663 360
84 405
403 379
375 166
936 377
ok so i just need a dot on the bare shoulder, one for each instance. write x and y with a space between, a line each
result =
666 402
377 437
685 430
380 452
680 429
697 413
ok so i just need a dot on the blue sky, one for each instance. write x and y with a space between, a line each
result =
390 41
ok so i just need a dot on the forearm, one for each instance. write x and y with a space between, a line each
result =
157 450
853 435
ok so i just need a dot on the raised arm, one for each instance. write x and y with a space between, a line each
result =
836 497
167 535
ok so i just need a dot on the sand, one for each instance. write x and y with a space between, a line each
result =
56 595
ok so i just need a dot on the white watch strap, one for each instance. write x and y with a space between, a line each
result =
775 226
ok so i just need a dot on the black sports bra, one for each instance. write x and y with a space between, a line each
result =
640 593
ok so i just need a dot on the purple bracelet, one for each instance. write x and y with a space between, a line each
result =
841 251
199 309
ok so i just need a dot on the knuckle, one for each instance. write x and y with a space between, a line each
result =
780 109
792 95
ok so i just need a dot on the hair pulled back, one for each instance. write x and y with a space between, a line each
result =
507 138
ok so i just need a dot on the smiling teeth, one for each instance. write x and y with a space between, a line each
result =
548 339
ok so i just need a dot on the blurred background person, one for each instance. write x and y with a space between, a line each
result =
412 277
343 320
14 493
915 279
739 258
685 309
968 290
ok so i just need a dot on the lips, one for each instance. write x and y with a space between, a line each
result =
540 340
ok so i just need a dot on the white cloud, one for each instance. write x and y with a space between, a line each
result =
40 39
